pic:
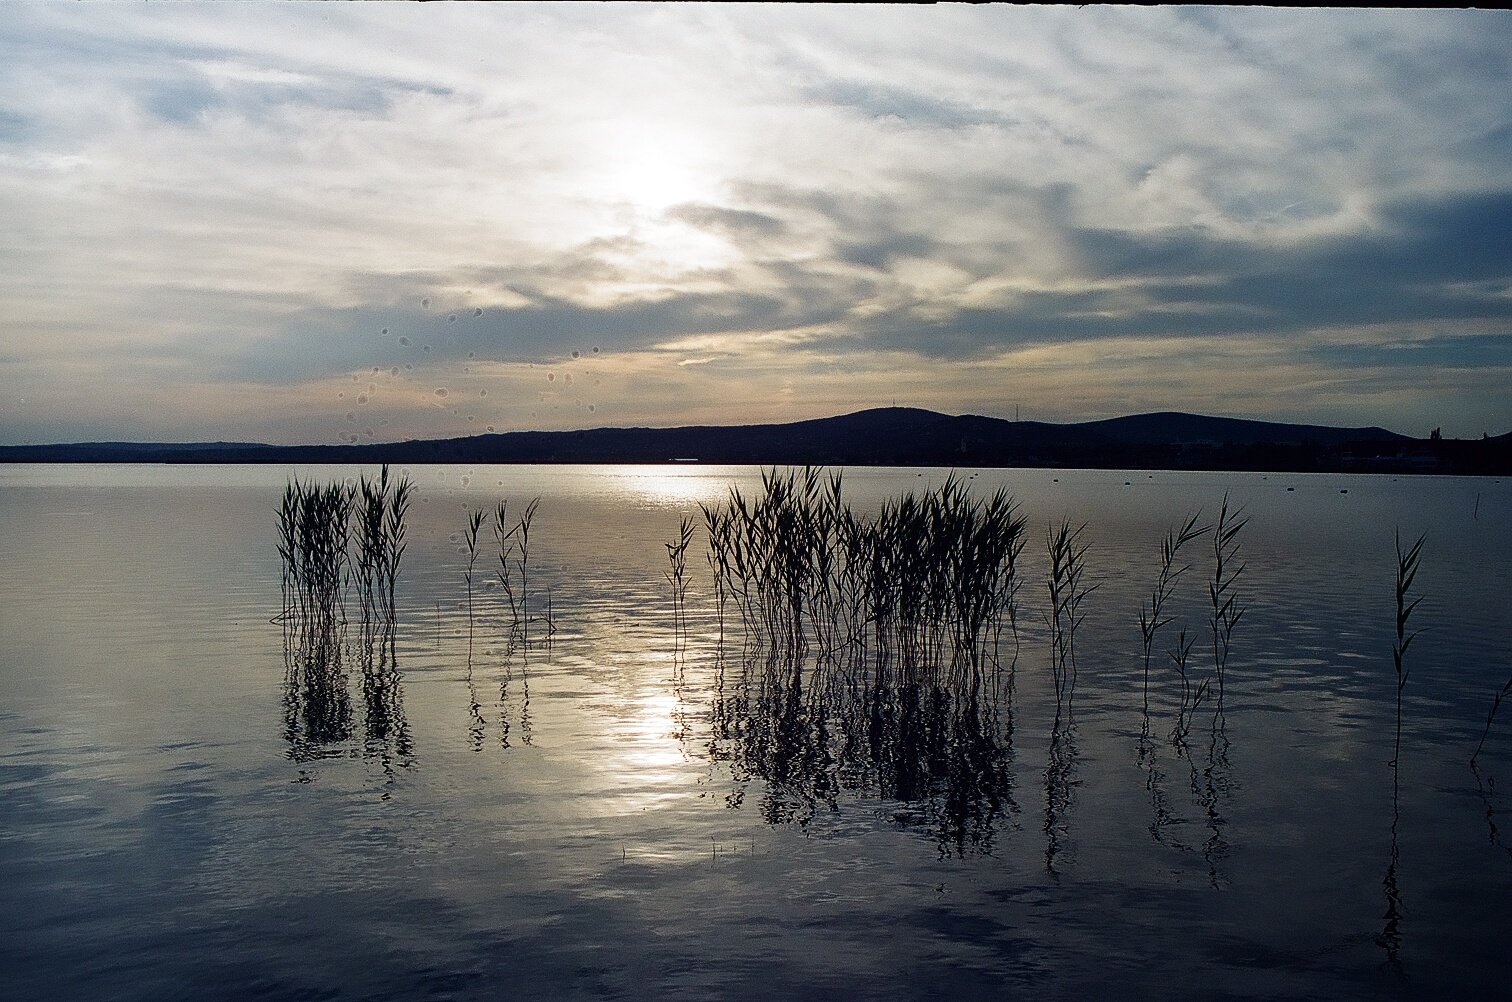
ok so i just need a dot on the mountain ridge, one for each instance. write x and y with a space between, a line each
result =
884 436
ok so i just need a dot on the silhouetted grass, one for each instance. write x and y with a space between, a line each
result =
923 586
315 535
1223 592
513 571
1068 590
677 560
870 648
1406 574
470 539
1152 617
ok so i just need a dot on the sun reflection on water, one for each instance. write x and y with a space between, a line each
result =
672 486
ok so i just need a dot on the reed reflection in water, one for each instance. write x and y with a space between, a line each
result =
870 652
314 540
155 840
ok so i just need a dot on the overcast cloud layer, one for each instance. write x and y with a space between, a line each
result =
318 223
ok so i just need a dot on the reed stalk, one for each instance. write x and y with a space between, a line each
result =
513 570
1067 592
1152 616
1223 592
470 538
676 575
1406 574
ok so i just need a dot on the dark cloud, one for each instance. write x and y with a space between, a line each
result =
183 103
1421 264
191 100
1487 352
910 106
881 253
1430 261
13 127
321 342
737 224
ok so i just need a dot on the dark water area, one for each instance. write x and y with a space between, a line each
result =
639 809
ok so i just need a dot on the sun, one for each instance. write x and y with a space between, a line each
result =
652 168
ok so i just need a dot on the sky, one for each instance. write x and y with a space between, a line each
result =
321 223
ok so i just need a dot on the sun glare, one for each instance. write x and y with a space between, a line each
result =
651 169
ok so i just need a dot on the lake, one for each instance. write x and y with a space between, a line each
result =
614 808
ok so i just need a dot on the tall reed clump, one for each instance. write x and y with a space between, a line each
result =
513 571
315 537
924 587
1068 590
870 646
312 524
381 509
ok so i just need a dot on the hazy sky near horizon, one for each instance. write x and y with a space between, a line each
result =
369 222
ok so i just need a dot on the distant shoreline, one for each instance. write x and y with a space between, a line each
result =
891 436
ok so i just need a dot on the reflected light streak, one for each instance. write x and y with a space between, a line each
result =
649 764
673 486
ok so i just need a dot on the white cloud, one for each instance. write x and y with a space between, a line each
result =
190 187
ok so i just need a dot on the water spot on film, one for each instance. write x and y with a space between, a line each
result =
351 416
341 396
451 318
425 348
394 371
491 428
477 313
404 340
550 377
567 378
385 331
575 354
595 349
425 303
472 354
590 408
440 391
466 481
354 377
409 365
362 398
482 393
471 418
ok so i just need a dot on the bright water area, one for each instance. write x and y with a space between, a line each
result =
561 823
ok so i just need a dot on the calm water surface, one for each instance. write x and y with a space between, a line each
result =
570 821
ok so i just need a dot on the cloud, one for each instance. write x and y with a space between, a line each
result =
247 196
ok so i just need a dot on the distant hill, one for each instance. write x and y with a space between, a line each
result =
886 436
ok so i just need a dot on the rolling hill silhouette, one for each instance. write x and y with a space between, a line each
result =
886 436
